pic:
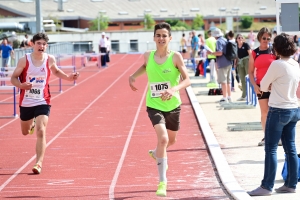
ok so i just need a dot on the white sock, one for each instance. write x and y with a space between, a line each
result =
162 169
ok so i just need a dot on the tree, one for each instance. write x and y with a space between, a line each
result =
101 22
197 22
149 21
177 24
246 21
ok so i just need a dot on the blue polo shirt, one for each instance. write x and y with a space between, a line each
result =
6 49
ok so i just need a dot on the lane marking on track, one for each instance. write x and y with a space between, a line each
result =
117 172
68 90
68 125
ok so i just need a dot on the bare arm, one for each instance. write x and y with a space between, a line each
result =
140 71
251 71
59 73
17 72
178 62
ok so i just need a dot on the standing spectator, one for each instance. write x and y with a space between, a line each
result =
201 45
5 52
223 65
244 51
183 44
108 49
103 49
211 43
188 43
259 62
195 47
24 41
282 77
251 39
230 38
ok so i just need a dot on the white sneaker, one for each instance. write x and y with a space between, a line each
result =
229 99
223 100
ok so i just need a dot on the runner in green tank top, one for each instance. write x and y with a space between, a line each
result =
163 68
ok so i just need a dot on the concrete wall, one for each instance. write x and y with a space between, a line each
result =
144 39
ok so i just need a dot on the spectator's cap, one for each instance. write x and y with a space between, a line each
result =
216 32
103 33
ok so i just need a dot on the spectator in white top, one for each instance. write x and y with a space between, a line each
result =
282 78
103 49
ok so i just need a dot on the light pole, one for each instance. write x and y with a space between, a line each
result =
236 10
222 9
183 15
145 20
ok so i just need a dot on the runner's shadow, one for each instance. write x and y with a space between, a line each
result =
10 174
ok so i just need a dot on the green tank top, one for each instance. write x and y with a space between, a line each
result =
159 78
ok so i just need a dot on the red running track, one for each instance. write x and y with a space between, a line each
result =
98 139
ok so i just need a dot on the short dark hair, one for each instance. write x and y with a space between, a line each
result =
183 34
262 31
40 36
162 25
284 45
230 34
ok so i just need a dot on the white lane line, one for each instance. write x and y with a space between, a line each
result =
67 90
71 122
117 172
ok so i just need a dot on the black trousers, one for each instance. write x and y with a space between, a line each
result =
103 57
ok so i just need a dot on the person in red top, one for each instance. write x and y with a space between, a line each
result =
259 62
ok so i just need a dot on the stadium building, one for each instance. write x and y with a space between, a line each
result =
129 14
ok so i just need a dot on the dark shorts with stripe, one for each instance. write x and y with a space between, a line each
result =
27 113
170 119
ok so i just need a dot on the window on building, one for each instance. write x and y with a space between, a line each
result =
115 46
134 47
131 24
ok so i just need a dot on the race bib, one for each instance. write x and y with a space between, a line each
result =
157 88
36 92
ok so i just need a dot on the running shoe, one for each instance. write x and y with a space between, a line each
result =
32 128
162 189
151 154
37 169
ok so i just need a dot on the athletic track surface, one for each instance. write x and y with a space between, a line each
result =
98 138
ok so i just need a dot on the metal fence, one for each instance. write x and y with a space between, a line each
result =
132 46
57 48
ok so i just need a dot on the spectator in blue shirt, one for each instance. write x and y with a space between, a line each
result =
194 46
5 51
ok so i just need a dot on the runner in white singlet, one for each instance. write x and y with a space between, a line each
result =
32 76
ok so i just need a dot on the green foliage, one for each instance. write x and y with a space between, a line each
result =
197 22
149 22
101 20
246 21
178 25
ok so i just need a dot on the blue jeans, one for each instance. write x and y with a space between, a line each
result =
280 124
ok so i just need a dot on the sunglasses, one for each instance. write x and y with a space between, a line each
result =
264 38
